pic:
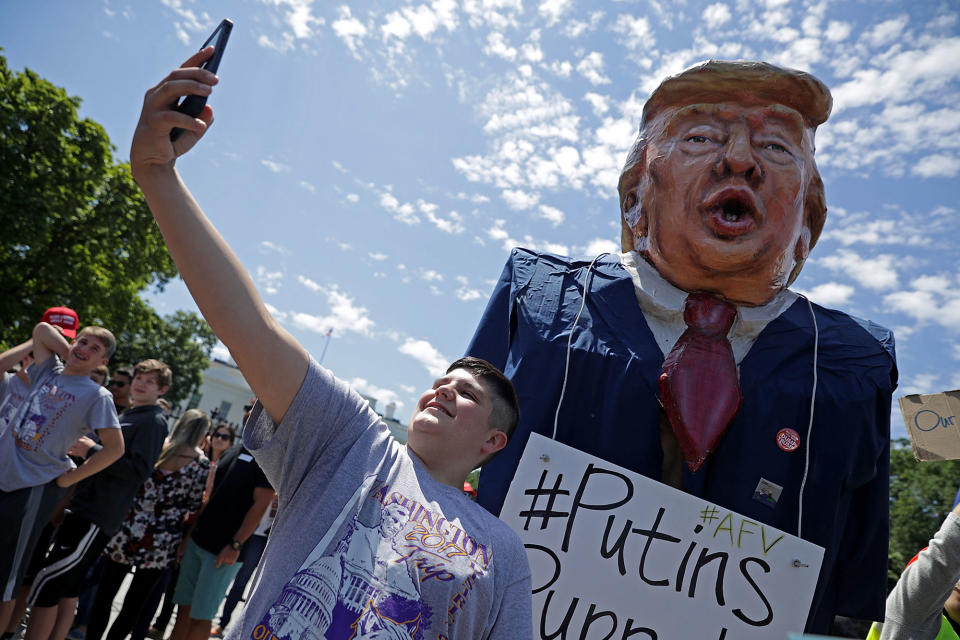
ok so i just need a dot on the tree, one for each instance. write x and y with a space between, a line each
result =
77 231
921 496
182 340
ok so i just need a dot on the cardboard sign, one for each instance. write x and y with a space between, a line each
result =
616 555
933 423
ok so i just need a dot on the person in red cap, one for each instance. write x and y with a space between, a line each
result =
40 420
63 317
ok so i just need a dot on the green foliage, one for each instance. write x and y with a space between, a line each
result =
921 496
77 232
182 340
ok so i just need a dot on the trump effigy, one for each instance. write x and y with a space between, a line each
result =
687 358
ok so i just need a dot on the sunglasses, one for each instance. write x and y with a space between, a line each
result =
222 436
117 383
247 407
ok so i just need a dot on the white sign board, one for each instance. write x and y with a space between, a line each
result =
616 555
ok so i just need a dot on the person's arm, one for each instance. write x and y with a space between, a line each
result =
13 355
915 605
47 340
110 452
262 497
142 445
272 361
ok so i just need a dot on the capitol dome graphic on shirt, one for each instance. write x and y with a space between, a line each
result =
360 589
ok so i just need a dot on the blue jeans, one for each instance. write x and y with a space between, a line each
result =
250 557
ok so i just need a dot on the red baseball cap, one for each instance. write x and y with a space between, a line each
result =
63 317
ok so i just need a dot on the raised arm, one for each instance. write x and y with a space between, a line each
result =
48 340
13 355
272 361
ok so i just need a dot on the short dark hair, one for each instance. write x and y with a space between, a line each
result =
123 371
506 407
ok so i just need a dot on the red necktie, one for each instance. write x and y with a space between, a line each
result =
699 385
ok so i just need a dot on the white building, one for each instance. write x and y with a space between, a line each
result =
224 391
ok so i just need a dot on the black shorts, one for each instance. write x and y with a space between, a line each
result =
74 547
30 508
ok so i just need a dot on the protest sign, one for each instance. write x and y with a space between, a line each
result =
933 422
614 554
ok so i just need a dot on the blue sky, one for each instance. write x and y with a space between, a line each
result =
373 163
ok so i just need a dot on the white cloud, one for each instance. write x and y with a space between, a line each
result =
497 46
920 383
600 104
349 29
285 44
381 395
519 200
298 15
353 197
886 32
431 275
271 281
188 21
452 224
306 185
876 273
716 15
837 31
932 299
426 354
554 215
830 294
576 28
600 245
591 68
902 76
938 165
276 167
377 256
344 315
401 212
465 292
636 33
268 246
309 284
498 233
396 26
553 10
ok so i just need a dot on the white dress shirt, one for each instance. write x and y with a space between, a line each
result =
662 306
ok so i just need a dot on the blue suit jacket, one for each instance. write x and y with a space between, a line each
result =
611 409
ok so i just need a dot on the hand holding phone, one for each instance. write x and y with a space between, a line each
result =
193 105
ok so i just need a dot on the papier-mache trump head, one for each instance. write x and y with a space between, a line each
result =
720 191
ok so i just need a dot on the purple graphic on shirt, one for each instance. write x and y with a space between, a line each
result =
361 590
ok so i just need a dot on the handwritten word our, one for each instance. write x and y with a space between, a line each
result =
928 420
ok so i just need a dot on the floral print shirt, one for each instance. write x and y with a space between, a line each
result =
153 528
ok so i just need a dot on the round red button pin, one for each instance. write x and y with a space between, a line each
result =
788 439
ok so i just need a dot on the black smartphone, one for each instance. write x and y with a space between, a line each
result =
193 105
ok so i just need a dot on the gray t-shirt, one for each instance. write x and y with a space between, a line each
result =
39 423
366 543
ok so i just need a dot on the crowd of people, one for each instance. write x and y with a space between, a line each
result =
100 486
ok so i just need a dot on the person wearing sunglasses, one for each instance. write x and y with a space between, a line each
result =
119 386
221 439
